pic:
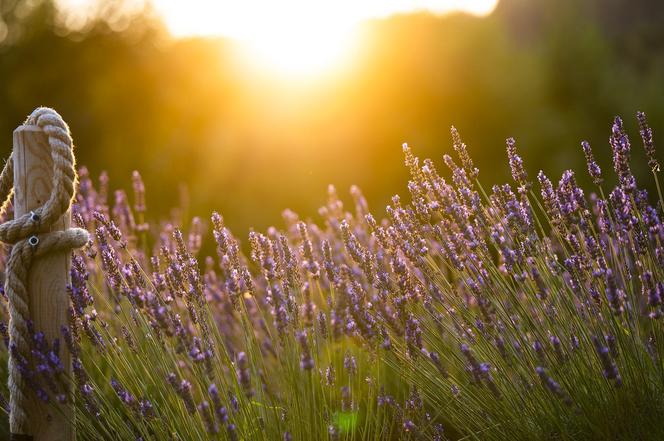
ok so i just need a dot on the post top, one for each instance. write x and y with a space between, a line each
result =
28 128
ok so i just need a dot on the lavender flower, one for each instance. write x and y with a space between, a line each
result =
242 371
516 165
646 137
593 169
346 400
435 358
219 409
549 198
307 252
621 151
330 376
461 149
614 295
552 386
139 192
480 371
183 389
124 395
610 370
210 423
445 267
350 363
306 361
413 337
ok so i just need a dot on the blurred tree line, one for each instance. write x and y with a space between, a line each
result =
548 72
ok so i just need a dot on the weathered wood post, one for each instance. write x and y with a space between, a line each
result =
47 277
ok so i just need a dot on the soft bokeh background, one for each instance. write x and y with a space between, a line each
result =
248 140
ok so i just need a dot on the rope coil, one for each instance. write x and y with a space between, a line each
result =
30 238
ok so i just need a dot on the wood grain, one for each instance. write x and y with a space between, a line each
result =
48 277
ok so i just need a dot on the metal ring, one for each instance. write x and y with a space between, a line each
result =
34 217
33 240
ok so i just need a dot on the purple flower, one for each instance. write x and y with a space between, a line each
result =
209 421
549 197
435 358
553 386
350 364
146 410
124 395
330 376
610 370
242 371
462 152
232 432
621 151
322 324
557 347
593 169
516 165
614 295
306 361
346 400
480 371
646 137
183 389
139 192
219 409
309 263
413 337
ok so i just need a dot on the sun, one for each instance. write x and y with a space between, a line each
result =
293 55
292 37
295 37
298 39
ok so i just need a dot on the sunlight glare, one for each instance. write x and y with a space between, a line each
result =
297 37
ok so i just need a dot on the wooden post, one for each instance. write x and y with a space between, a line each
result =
48 276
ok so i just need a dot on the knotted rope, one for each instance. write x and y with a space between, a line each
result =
30 237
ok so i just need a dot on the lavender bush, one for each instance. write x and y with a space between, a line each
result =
532 311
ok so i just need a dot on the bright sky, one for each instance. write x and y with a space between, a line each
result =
245 18
292 36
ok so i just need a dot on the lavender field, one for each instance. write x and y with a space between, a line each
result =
530 310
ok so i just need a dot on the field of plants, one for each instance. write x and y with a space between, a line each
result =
530 310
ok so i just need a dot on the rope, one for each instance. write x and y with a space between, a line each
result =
30 237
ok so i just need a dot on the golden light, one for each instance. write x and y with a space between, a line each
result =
295 37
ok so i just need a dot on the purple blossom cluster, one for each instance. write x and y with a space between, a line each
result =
484 303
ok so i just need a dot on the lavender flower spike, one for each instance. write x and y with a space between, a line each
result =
516 165
609 368
553 386
306 360
593 169
621 149
462 152
648 145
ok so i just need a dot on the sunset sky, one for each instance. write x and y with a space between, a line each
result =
244 19
296 37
